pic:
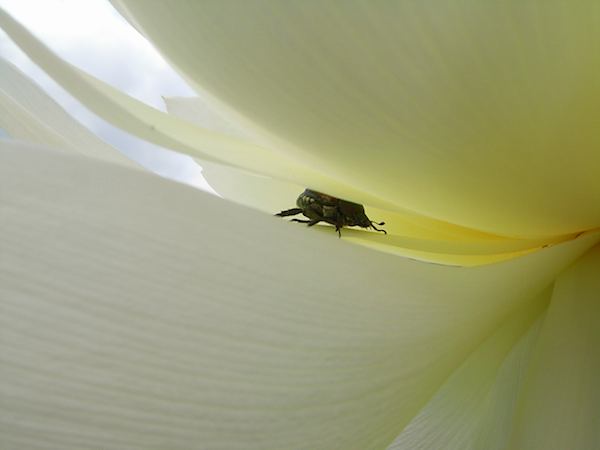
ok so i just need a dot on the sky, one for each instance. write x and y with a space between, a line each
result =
91 35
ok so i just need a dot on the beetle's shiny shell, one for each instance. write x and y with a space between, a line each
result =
335 211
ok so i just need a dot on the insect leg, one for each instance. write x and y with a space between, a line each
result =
309 222
289 212
339 224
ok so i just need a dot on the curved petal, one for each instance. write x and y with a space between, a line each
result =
27 113
410 235
407 234
474 409
448 110
560 407
198 111
168 131
257 190
140 313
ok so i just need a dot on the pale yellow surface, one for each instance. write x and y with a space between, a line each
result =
474 409
140 313
543 395
561 405
408 234
483 114
168 131
274 177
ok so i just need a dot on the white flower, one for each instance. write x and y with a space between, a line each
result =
139 313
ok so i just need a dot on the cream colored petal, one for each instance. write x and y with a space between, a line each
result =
483 115
168 131
252 189
474 409
199 112
140 313
32 115
27 113
409 234
269 194
561 405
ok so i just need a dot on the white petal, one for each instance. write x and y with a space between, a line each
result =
481 115
407 234
561 405
474 409
168 131
140 313
29 114
198 111
266 193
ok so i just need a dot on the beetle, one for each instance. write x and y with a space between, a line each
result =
319 207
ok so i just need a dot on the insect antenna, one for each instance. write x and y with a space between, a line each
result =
375 228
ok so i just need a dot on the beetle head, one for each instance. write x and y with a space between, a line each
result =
361 220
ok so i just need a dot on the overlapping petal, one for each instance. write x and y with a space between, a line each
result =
270 186
483 115
541 395
475 409
140 313
409 234
27 113
561 405
168 131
